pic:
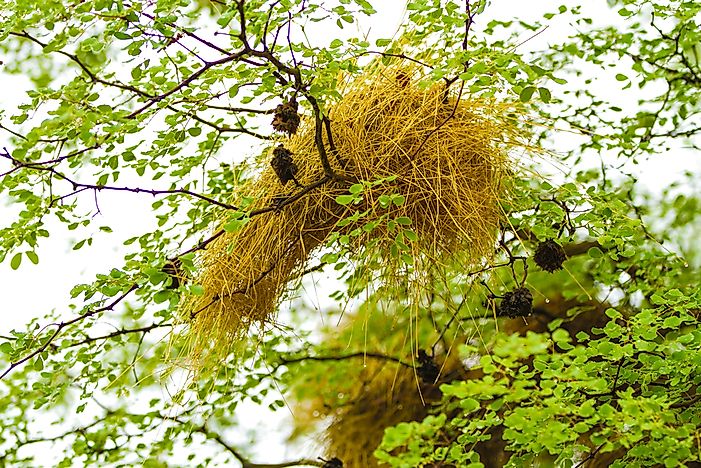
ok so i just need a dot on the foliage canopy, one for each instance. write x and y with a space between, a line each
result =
513 359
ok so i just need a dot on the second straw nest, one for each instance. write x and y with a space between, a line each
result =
421 174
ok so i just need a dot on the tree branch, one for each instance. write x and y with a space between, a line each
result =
123 331
62 325
343 357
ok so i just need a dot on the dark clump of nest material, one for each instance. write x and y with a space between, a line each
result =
435 160
332 463
173 268
516 303
283 165
549 255
403 79
428 371
286 119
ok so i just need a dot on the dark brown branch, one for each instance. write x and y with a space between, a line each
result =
80 187
184 83
220 128
62 325
343 357
591 455
93 77
242 110
291 199
20 164
245 462
686 403
123 331
400 56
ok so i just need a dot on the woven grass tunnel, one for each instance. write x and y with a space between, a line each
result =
442 160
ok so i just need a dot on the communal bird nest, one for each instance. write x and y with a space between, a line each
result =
419 176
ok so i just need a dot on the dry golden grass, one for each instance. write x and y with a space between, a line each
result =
450 157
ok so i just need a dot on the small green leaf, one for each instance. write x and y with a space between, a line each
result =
33 257
161 296
329 258
16 261
625 12
236 224
345 199
356 188
527 93
411 235
595 252
621 77
545 95
403 220
384 200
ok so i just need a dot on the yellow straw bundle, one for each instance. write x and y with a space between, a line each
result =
425 170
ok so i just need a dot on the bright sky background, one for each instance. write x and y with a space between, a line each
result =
36 289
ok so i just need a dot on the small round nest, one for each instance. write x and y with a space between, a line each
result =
421 172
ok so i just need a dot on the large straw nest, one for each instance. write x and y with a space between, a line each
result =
450 159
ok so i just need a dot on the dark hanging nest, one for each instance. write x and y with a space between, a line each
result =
332 463
549 255
283 165
286 118
428 371
173 268
516 303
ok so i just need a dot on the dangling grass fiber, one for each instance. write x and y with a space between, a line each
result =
442 160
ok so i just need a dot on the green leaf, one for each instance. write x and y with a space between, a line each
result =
356 188
411 235
544 94
345 199
237 222
16 261
595 252
527 93
33 257
6 348
625 12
